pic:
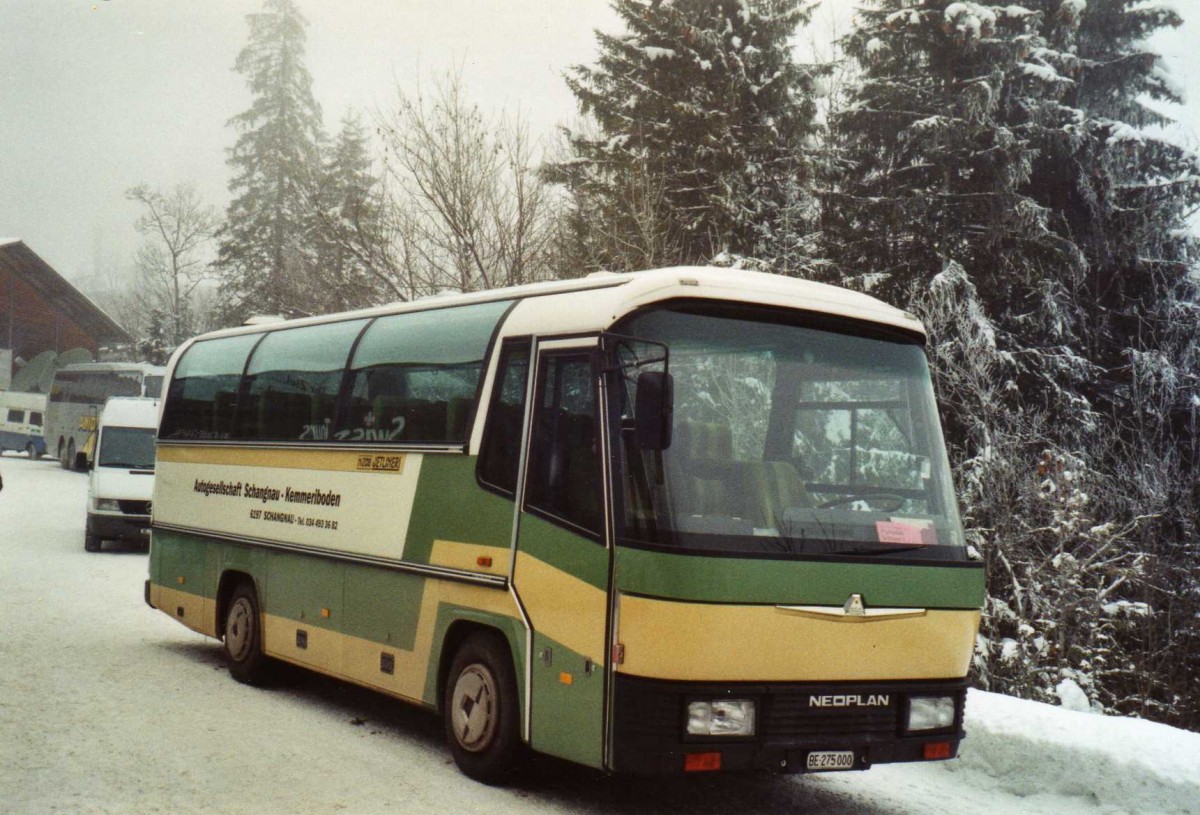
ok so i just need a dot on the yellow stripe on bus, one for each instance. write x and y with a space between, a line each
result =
563 607
196 612
358 660
723 643
335 460
470 557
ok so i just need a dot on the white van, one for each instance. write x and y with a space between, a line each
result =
121 477
21 422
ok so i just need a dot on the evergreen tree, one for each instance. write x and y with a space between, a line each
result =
1003 177
930 212
1120 185
934 174
700 118
349 219
266 252
1123 186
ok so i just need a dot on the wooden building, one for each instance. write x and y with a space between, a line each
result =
41 311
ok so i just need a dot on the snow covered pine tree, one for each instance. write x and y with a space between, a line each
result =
266 249
701 117
980 182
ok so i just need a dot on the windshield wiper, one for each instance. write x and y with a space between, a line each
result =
800 542
887 549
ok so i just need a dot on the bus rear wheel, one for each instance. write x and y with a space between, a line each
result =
63 461
243 638
30 450
480 709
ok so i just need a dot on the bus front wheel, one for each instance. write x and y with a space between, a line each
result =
30 450
63 461
480 709
243 638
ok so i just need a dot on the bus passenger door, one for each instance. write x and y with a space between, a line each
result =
561 572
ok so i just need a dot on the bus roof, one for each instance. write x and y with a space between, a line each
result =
595 302
108 367
22 400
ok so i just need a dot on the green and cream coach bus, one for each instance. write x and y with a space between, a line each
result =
680 520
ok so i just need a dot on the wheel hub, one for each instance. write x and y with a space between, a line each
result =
474 708
237 629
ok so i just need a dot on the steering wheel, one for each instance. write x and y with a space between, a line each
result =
894 502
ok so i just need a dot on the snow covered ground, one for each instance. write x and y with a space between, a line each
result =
109 707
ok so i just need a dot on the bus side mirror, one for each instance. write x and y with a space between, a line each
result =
655 409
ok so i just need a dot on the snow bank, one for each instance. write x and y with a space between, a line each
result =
1122 765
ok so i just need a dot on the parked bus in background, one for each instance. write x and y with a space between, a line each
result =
78 394
21 416
672 521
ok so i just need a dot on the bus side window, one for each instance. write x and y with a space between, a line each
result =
564 462
292 382
414 375
501 448
201 396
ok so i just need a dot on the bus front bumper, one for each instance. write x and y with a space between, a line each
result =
859 724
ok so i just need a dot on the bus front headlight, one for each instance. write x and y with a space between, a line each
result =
107 505
721 717
930 713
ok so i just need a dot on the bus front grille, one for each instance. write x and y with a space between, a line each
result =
789 715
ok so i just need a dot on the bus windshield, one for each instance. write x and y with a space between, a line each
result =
787 439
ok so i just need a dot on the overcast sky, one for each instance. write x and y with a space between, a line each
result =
99 95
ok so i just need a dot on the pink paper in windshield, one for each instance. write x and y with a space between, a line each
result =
905 534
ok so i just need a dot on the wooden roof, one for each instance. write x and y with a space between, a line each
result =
22 262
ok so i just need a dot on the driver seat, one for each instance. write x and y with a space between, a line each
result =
770 488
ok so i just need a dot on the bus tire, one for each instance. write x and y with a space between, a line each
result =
62 455
30 450
91 543
72 457
481 709
243 638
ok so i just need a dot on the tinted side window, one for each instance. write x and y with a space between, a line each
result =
35 418
203 391
16 416
63 387
564 458
501 451
414 376
292 382
152 385
124 383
